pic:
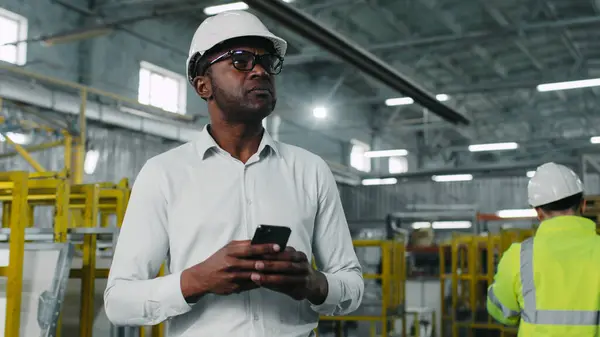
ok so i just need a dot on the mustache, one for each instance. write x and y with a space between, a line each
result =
262 85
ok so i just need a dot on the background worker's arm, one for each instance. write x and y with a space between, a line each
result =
333 250
133 295
502 302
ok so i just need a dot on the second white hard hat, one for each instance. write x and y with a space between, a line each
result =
552 182
228 25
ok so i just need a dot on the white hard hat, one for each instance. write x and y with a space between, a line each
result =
552 182
228 25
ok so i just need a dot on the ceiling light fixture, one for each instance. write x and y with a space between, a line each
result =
452 177
386 153
408 101
379 181
320 112
212 10
493 147
593 82
595 140
517 213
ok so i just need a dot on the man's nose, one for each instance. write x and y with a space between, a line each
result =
259 71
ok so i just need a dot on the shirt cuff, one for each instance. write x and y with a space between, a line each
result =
169 295
334 295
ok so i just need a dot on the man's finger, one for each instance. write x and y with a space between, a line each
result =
253 250
287 256
277 280
282 267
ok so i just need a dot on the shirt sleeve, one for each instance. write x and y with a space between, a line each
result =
502 297
134 296
333 250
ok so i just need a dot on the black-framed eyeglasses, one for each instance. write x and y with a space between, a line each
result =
244 60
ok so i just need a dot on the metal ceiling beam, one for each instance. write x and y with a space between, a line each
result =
351 53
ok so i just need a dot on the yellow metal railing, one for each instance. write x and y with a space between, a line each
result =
473 265
393 288
94 204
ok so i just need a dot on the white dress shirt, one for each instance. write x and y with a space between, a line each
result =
189 202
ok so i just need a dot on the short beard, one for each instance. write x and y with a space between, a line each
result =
234 111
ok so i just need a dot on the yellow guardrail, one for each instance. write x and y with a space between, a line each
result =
393 288
473 265
81 215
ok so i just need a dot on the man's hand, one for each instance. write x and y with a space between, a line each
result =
290 272
226 272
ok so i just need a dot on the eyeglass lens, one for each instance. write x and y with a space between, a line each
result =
245 61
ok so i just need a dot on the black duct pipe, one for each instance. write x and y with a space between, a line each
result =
351 53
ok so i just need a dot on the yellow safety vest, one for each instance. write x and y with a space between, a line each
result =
550 284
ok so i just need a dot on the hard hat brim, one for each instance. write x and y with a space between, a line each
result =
279 44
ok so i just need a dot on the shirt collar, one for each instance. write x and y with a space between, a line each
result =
205 143
567 223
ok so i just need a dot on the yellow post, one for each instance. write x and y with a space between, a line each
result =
81 140
88 279
18 222
68 142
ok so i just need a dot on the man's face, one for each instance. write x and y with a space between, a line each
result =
242 96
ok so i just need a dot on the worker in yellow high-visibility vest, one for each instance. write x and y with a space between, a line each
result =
550 284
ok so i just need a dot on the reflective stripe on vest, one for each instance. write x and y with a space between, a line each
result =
507 312
530 314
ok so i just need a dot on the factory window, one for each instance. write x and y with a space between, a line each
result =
162 88
397 165
358 160
13 28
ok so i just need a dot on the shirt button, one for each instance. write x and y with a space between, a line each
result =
249 202
256 317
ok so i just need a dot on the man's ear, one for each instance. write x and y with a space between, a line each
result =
203 87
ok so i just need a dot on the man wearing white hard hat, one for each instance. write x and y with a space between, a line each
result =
197 207
550 284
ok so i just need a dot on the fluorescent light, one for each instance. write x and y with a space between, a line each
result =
409 101
386 153
442 224
399 101
594 82
517 213
451 224
212 10
240 6
530 174
493 147
442 97
452 177
320 112
595 140
421 224
91 160
377 181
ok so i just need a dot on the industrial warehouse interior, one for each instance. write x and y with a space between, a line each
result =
432 115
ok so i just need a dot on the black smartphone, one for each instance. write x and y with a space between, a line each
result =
272 234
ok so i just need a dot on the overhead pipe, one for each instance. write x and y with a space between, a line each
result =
351 53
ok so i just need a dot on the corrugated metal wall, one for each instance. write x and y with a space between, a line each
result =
122 154
375 202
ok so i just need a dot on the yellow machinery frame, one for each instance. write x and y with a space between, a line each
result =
77 206
20 193
470 276
393 284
